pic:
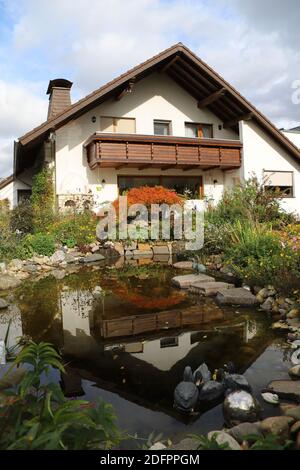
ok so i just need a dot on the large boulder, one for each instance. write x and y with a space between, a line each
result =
295 371
9 282
236 296
242 430
240 406
236 382
224 438
278 426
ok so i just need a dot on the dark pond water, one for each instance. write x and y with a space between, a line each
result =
127 335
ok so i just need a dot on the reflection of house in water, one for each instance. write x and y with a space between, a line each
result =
145 364
11 318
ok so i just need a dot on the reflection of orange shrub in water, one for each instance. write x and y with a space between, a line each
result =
153 302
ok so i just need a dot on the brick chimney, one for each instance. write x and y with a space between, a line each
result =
60 98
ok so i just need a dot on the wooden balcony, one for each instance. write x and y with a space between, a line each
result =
165 152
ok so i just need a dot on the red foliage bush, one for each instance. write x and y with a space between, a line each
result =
148 195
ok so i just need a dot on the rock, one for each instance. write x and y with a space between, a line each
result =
58 274
58 257
3 268
184 282
236 296
294 323
93 258
8 282
278 425
280 326
294 313
208 289
119 248
30 268
267 304
142 254
242 430
293 412
183 265
211 391
158 446
263 293
271 398
287 389
260 299
295 428
16 265
186 444
295 358
161 250
128 254
295 371
240 406
295 344
224 438
3 304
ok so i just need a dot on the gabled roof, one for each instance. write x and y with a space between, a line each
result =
4 182
190 72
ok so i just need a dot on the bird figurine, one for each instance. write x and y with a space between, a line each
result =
197 265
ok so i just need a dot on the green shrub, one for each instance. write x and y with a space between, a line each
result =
40 243
78 229
256 254
249 201
21 218
35 415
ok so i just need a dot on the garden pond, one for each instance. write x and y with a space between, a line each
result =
126 336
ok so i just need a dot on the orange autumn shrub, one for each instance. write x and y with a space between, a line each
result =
148 195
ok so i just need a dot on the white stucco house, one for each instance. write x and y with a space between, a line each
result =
170 121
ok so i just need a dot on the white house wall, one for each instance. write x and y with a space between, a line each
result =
261 152
155 97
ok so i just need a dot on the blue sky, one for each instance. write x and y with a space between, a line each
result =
252 43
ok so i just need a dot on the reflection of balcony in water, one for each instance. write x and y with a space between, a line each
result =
177 318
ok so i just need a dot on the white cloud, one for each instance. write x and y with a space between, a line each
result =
252 43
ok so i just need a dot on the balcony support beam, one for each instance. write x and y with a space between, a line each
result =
235 121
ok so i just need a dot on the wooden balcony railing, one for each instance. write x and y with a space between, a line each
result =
148 151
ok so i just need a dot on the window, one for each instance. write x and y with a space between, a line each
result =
162 127
281 182
23 195
120 125
189 186
193 129
168 342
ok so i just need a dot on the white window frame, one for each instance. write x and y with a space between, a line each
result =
282 195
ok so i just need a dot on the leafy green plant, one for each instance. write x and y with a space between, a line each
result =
249 201
268 442
209 444
40 243
77 229
255 253
38 416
